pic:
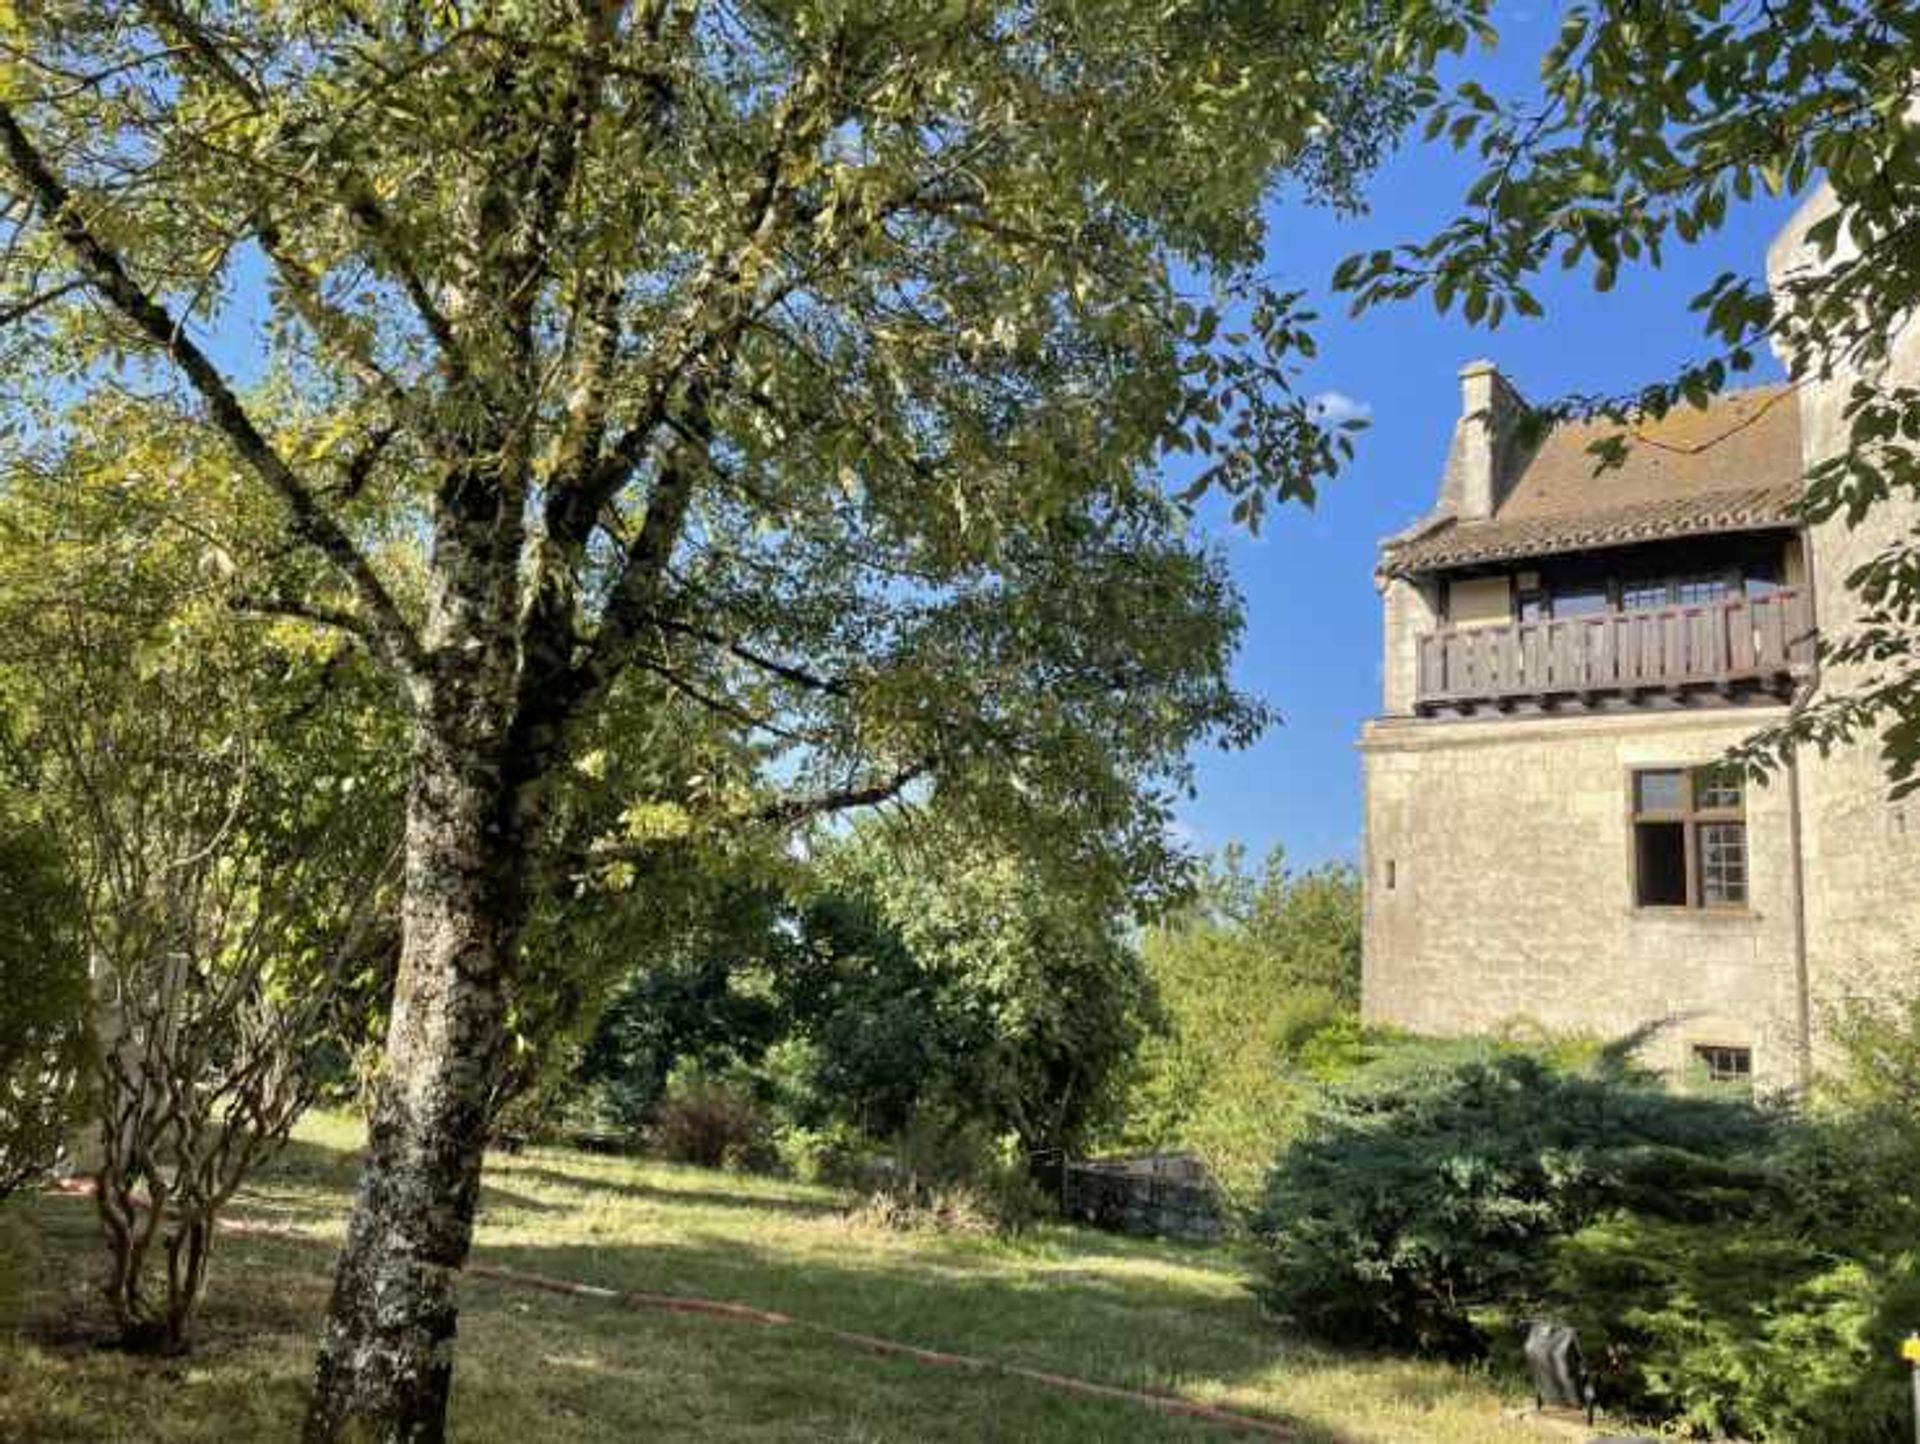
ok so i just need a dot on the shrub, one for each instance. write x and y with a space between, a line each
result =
1786 1323
950 1176
836 1154
1754 1330
43 979
1432 1185
712 1122
1258 981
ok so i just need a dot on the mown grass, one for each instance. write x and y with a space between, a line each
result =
539 1368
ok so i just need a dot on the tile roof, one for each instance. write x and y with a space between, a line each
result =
1733 467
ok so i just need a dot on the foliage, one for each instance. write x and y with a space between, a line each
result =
712 1122
1756 1331
43 978
229 805
1435 1181
903 977
810 363
1730 1269
951 1176
1648 129
683 1003
1258 982
961 976
1787 1326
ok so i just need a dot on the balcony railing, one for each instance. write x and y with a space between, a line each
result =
1734 646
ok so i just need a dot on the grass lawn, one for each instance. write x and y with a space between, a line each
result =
540 1368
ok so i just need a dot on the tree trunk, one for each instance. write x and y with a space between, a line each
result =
386 1359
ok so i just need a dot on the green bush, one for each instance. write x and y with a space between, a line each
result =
1258 982
949 1174
713 1122
1730 1269
1753 1331
1786 1323
1431 1186
43 979
835 1153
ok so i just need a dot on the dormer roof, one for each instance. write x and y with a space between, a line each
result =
1735 466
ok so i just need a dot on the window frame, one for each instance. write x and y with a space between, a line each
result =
1693 819
1699 1055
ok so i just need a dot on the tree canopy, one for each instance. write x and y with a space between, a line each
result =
1258 981
808 361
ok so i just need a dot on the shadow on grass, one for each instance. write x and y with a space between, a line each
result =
308 1182
677 1197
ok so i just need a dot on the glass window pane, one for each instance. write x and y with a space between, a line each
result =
1663 791
1725 1065
1723 863
1716 787
1639 596
1579 601
1660 864
1691 591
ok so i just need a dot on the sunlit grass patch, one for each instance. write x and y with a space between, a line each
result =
533 1365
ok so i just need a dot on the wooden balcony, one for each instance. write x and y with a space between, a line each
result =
1735 649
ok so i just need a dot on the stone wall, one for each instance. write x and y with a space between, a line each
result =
1499 889
1862 851
1411 608
1497 864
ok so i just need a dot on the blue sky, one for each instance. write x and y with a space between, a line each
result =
1312 645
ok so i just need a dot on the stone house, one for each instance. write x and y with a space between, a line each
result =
1550 841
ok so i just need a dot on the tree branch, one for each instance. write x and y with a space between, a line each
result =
354 194
791 810
785 671
103 268
20 310
787 812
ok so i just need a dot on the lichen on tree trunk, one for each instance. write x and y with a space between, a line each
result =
386 1358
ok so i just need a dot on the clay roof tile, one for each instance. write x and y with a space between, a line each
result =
1734 466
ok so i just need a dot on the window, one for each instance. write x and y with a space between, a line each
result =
1579 600
1641 596
1689 838
1692 591
1646 593
1723 1065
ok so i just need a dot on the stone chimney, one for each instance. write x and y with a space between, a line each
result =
1489 410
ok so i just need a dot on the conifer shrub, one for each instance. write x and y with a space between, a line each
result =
1786 1322
1424 1195
1732 1269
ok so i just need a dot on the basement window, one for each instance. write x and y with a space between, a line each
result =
1689 838
1723 1066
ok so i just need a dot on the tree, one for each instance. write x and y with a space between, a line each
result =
895 980
1258 979
962 978
1649 126
232 825
43 976
807 359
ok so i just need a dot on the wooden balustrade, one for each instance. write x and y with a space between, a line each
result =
1737 643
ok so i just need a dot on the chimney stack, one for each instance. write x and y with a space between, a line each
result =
1489 408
